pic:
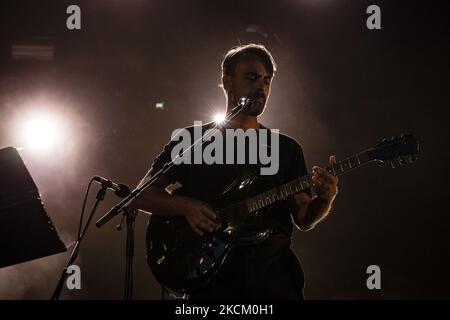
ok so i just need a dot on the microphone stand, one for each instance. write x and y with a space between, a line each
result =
100 196
129 215
121 207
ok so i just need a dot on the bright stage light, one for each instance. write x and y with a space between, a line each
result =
41 131
219 117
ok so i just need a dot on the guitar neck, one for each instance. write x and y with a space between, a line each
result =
303 183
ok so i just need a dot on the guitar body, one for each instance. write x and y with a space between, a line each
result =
182 260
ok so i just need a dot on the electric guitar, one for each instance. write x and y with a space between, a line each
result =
182 261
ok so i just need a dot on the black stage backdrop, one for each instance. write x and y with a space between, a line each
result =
340 88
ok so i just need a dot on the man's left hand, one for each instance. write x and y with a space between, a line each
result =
324 183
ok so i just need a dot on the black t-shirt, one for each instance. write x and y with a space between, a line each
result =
203 181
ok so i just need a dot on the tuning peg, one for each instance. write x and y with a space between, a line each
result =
402 136
385 140
405 159
392 164
397 162
411 158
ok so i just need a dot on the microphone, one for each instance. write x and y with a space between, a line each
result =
243 103
120 190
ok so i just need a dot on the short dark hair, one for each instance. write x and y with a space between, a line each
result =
237 53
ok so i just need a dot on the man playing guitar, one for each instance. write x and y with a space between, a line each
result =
269 269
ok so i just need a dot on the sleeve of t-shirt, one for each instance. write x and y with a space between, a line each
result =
159 163
297 166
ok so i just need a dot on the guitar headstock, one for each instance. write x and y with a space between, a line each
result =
398 151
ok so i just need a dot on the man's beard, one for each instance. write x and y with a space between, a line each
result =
255 109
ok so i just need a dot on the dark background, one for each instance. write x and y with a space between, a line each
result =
340 88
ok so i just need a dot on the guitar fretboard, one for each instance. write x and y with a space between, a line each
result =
303 183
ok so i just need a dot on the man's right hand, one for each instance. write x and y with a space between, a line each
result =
200 216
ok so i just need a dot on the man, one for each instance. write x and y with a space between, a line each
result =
269 269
